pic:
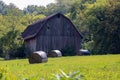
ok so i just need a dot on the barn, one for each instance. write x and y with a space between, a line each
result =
54 32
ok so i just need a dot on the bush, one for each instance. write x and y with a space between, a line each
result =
19 52
68 51
89 46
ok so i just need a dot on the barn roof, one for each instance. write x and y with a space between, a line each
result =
32 30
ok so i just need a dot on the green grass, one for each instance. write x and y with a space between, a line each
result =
101 67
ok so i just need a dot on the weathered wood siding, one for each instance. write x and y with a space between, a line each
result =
58 33
31 44
58 43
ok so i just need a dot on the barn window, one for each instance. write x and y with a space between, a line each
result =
48 28
58 15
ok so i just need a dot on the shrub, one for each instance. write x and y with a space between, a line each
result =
68 51
19 52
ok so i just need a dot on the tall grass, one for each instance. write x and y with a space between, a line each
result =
102 67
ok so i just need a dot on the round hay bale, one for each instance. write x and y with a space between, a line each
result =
55 53
38 57
83 52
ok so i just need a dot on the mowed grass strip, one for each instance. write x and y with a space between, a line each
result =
100 67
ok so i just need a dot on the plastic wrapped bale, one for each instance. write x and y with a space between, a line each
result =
83 52
38 57
55 53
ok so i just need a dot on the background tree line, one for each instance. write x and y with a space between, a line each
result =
97 20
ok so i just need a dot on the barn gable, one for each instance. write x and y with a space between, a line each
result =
33 29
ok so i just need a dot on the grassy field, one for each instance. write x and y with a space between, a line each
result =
103 67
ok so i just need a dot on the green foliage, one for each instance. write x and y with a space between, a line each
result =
104 26
19 52
2 7
6 75
71 76
88 45
51 9
9 42
98 19
33 9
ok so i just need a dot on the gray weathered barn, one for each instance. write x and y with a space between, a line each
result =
55 32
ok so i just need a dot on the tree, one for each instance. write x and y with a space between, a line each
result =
51 9
34 9
3 7
103 21
9 43
12 10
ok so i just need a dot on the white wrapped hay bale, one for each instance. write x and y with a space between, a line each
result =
83 52
38 57
55 53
